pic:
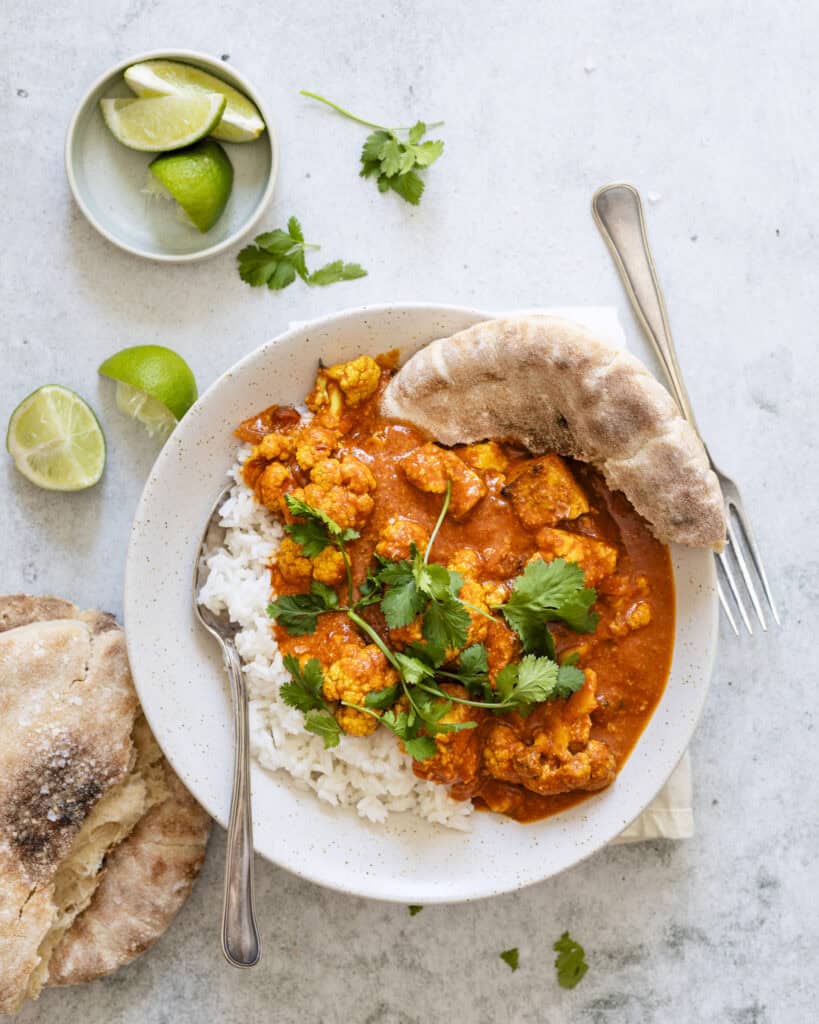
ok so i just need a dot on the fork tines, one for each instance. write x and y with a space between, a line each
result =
735 551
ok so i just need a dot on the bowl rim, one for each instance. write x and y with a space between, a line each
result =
396 891
205 62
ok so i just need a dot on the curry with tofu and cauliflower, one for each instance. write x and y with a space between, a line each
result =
508 617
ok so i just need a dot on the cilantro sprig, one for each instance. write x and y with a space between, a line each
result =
278 257
298 613
549 592
304 691
570 962
393 156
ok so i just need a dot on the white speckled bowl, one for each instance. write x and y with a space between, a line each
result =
181 682
107 178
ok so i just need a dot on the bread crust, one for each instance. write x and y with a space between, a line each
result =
68 711
547 384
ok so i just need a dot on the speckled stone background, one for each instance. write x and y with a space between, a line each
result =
710 107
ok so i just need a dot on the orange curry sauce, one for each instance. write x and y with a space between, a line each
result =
524 768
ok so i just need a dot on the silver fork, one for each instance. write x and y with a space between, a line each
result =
240 937
618 211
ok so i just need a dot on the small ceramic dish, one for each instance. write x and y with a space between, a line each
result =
107 178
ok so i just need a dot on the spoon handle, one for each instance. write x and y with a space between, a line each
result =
240 938
619 214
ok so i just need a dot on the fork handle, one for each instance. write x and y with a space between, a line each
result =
240 937
618 211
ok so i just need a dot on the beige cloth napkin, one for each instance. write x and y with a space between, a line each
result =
669 815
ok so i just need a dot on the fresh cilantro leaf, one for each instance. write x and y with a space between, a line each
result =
393 155
297 507
371 150
294 229
370 591
407 728
313 536
403 600
549 591
397 722
427 153
409 186
336 271
570 962
473 667
382 699
414 908
446 623
256 266
417 132
304 689
569 680
279 255
431 654
529 681
324 724
510 957
298 613
277 242
413 670
421 748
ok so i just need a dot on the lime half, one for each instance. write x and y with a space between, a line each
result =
241 121
154 385
167 122
56 440
199 178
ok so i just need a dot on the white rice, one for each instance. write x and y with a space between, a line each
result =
369 773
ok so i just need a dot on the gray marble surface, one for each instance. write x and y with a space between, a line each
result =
709 106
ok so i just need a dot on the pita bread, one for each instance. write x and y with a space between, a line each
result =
547 384
79 773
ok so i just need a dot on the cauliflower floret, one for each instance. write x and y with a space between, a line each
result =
359 671
291 563
466 561
342 490
502 647
358 379
272 483
472 593
495 592
459 753
429 468
275 448
595 557
328 567
544 491
560 757
314 443
634 617
487 457
398 536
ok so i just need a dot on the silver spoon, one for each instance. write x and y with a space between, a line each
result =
240 938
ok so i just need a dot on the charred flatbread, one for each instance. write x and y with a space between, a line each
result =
547 384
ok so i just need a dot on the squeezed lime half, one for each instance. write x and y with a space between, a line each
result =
154 386
164 122
56 440
199 178
241 121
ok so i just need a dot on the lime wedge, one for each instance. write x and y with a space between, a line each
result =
199 178
167 122
56 440
241 121
154 385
